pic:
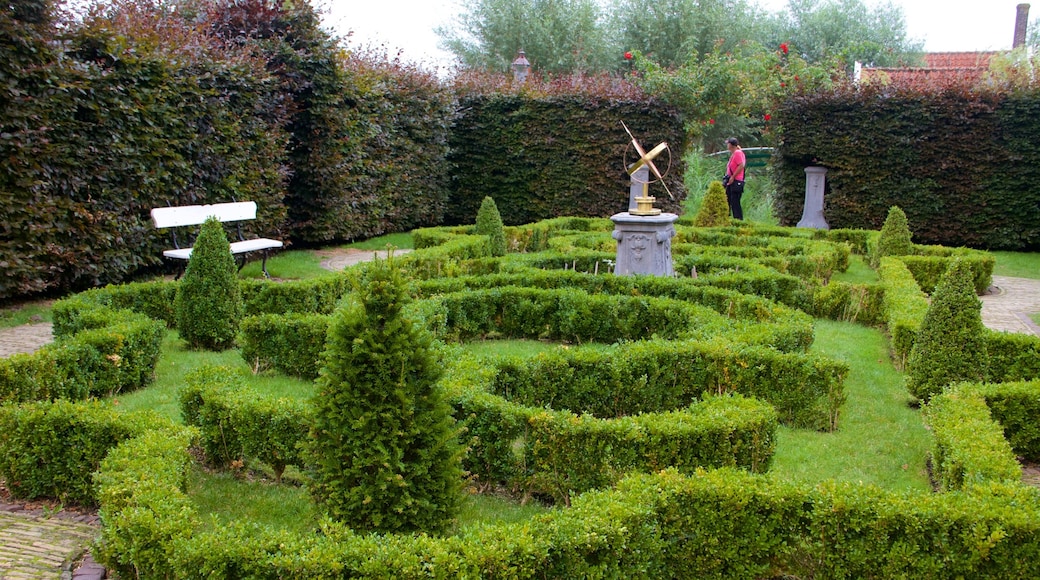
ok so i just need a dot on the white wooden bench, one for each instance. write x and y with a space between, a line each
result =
193 215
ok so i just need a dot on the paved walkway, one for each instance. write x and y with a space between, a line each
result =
33 546
1009 303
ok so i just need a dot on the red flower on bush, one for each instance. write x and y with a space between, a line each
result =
711 121
783 47
628 56
767 116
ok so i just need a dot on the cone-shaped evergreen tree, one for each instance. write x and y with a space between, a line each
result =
489 223
895 236
714 210
383 444
951 343
208 304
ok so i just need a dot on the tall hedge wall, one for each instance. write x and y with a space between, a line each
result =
556 150
963 164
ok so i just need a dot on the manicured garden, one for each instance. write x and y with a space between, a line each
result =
762 402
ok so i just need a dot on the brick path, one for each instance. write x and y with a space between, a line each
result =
36 547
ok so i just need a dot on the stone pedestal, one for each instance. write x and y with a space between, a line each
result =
812 214
644 243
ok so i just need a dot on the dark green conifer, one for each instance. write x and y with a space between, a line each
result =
383 444
208 304
489 223
714 210
895 236
951 343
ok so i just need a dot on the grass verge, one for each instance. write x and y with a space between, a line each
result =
880 439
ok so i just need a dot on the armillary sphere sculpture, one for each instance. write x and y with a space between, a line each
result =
645 203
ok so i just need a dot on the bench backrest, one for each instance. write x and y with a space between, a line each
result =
191 215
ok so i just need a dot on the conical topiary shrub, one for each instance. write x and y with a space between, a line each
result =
208 305
714 209
951 343
383 443
489 223
895 236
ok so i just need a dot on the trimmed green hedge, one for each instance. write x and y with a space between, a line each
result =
927 269
651 377
905 306
1016 406
889 145
291 344
970 447
235 422
565 314
51 449
99 352
145 510
859 303
528 448
721 524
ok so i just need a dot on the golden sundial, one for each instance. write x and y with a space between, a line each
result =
645 203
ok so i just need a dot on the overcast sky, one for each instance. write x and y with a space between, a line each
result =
407 25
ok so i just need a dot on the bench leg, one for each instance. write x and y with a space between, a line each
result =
263 266
241 259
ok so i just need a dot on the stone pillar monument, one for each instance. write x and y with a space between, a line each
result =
812 214
644 243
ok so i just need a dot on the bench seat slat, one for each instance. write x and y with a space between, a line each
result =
236 248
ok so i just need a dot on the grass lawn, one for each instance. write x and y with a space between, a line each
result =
880 440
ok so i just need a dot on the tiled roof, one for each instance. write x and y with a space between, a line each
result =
940 67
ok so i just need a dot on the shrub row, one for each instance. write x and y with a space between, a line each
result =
99 352
859 303
51 449
782 327
927 269
1012 357
145 510
717 524
544 155
651 377
565 314
1016 406
530 449
904 303
236 423
970 447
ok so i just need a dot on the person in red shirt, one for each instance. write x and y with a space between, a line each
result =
734 180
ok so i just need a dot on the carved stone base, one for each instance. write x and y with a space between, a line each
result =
644 243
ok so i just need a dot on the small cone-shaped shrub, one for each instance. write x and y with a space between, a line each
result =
714 209
951 343
383 444
895 236
208 304
489 223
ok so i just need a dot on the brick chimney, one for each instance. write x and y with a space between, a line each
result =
1021 23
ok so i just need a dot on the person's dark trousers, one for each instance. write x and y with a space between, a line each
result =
733 192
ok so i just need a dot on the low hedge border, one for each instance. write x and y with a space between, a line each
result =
859 303
555 453
50 449
782 327
1016 406
99 351
235 422
144 507
715 524
970 447
652 377
927 269
566 314
905 306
